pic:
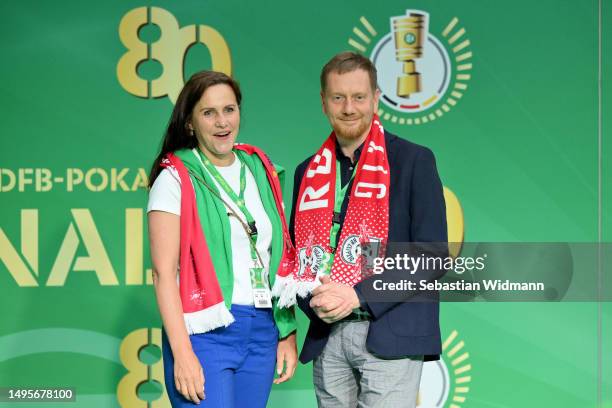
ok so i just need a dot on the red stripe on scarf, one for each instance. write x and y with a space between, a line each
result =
198 283
287 262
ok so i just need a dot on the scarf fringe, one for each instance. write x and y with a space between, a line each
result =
287 288
208 319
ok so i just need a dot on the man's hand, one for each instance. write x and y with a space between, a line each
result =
286 356
333 301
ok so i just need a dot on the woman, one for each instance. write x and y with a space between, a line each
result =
215 212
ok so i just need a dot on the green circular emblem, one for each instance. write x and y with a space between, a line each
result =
410 38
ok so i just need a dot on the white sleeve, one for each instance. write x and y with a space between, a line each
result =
165 195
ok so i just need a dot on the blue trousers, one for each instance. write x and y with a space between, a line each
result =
238 361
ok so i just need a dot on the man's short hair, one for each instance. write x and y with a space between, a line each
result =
348 62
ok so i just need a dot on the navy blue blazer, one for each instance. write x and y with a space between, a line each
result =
400 325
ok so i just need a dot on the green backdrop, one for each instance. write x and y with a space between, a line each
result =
519 146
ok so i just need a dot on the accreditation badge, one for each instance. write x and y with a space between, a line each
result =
262 297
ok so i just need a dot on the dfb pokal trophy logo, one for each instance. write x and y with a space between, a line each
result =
421 76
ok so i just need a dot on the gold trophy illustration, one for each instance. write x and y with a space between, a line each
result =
409 32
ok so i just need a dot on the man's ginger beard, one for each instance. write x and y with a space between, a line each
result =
353 132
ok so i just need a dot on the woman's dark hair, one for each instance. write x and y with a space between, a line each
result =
177 135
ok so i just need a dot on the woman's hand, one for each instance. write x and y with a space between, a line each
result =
286 356
189 376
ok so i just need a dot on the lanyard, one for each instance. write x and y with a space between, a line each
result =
259 279
237 199
338 200
251 228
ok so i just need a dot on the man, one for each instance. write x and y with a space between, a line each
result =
364 186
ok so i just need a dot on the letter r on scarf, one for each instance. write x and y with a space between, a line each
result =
312 196
324 168
368 194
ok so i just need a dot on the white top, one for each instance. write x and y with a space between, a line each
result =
165 195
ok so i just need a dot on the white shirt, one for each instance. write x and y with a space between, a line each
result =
165 195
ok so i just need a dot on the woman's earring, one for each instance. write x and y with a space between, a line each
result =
191 132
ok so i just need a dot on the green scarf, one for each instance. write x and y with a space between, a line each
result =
216 227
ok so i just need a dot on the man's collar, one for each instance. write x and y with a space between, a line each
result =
356 155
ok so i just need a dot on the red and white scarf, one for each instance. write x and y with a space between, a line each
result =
366 221
202 299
